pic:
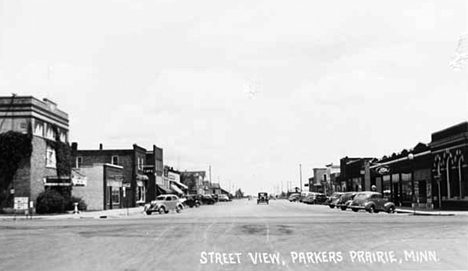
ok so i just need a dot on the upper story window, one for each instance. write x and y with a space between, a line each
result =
50 133
79 161
50 156
39 129
115 160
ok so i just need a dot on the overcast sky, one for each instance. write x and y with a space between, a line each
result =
252 88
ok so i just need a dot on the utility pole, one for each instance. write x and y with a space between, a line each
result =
300 177
210 175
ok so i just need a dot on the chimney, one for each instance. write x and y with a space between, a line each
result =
74 146
100 146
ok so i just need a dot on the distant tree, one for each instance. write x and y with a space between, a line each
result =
190 181
239 193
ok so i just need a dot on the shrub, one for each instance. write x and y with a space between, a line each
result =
50 201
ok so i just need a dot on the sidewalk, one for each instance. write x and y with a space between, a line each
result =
114 213
429 212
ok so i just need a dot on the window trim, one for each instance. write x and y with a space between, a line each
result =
112 160
78 164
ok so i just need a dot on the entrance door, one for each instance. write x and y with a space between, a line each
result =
396 194
422 185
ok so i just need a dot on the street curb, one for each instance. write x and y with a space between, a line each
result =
410 212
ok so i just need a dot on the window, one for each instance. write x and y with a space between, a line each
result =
79 161
115 160
141 194
50 156
140 163
115 196
39 129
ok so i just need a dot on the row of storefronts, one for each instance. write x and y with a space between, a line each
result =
433 175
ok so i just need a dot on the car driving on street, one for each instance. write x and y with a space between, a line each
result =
262 198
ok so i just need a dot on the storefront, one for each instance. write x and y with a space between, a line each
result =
449 152
406 177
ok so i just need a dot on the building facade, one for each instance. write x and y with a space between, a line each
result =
316 184
154 169
135 181
103 188
47 125
449 167
355 173
405 177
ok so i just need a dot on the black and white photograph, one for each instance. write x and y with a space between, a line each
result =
163 135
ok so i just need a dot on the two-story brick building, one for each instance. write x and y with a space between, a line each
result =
47 124
135 181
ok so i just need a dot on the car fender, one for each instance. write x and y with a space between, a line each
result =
369 204
388 205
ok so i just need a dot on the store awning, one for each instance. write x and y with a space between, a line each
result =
162 190
176 189
180 184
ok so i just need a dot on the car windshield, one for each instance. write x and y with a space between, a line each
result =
361 196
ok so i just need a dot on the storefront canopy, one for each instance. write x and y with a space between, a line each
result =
176 189
162 190
179 184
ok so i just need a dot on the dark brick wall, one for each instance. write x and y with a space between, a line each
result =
127 159
38 167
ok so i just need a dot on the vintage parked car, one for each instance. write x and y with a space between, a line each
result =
334 199
315 198
345 200
223 197
373 202
294 197
164 204
262 198
192 201
207 199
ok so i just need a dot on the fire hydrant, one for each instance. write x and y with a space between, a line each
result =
76 208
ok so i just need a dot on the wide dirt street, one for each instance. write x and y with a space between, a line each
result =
239 235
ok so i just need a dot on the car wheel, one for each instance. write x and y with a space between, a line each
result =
391 210
148 212
331 206
178 209
161 210
371 209
354 210
343 208
197 205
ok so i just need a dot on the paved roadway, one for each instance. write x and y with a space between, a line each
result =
239 235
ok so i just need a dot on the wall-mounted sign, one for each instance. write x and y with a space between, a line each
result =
21 203
80 181
382 170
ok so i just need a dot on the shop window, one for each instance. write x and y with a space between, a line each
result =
141 194
115 196
50 157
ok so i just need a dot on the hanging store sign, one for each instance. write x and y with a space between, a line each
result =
382 170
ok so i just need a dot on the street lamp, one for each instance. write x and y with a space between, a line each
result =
411 158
